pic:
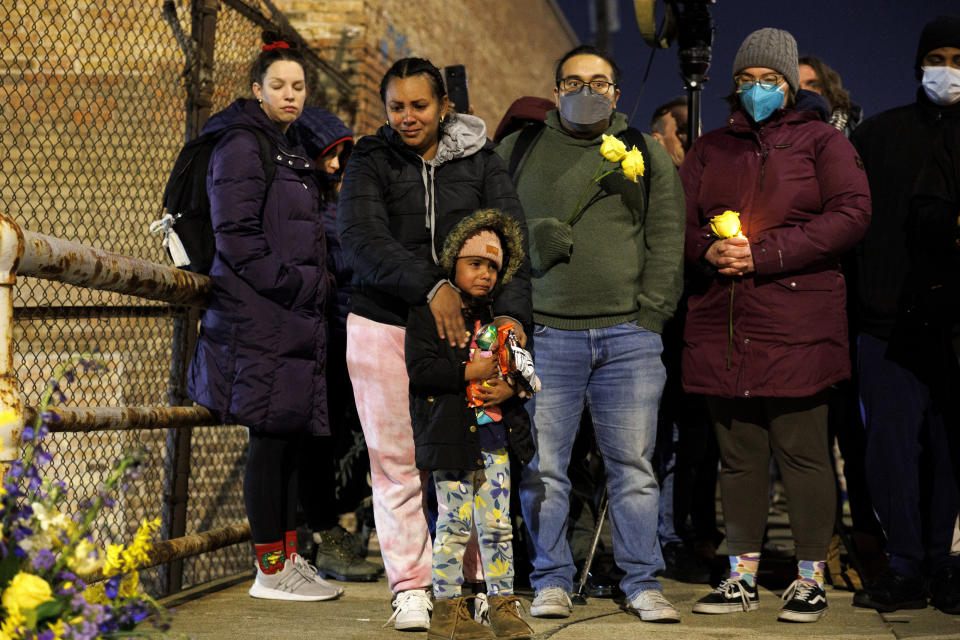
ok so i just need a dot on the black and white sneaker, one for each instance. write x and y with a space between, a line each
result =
805 602
730 596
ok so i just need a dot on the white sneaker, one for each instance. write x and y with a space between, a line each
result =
304 566
651 606
411 611
552 602
295 582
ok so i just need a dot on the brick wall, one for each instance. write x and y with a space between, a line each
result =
508 48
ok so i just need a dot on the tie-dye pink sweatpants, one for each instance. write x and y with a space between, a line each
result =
378 373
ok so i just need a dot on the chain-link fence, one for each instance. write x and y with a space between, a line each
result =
93 110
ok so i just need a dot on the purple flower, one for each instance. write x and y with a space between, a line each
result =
27 434
43 560
113 584
42 456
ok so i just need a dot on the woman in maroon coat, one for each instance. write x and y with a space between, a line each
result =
766 330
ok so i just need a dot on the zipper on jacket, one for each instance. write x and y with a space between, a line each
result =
764 151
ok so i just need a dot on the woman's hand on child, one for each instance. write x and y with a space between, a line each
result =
481 368
445 308
496 391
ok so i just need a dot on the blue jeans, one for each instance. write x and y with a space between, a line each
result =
617 370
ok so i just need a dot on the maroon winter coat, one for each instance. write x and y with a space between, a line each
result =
803 200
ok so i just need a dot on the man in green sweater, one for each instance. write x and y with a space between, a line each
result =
607 275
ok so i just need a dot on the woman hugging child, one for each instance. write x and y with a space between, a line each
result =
466 447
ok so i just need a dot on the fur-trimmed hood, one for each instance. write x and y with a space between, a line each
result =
497 221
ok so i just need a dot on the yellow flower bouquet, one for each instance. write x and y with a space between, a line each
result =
630 163
46 556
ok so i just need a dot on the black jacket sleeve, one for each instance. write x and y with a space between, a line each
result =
432 365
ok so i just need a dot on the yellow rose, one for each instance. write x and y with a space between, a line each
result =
726 224
82 561
26 591
613 148
632 164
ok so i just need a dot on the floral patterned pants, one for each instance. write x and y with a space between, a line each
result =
467 498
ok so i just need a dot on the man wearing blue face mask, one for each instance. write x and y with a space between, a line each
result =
905 410
607 259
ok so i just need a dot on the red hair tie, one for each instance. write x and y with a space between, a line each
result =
279 44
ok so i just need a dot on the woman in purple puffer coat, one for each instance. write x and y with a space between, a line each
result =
766 328
260 355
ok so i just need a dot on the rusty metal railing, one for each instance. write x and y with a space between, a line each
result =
25 253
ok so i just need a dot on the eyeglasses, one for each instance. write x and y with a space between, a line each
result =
768 82
571 85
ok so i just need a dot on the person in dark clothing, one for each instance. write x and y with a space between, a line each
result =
260 355
817 76
333 468
405 188
686 451
765 333
467 418
908 466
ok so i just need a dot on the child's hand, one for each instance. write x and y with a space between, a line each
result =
481 368
495 391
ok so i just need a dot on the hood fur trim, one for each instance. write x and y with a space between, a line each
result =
506 227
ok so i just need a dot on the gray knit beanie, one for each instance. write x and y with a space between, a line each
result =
772 48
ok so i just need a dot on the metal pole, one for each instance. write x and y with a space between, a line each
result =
694 38
580 597
11 404
178 441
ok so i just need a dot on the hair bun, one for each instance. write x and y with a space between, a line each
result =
276 40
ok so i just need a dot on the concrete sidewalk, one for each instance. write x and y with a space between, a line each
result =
225 610
364 608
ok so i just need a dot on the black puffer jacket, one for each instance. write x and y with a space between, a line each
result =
894 146
926 337
444 427
391 231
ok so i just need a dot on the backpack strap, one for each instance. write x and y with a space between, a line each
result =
266 159
634 137
528 135
264 146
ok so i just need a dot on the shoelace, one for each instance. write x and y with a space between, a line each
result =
556 597
656 599
732 587
308 571
293 580
413 599
511 602
800 589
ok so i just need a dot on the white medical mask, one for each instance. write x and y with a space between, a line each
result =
942 84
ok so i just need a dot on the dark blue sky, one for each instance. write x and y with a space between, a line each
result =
871 43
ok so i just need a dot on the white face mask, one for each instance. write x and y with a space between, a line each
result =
942 84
